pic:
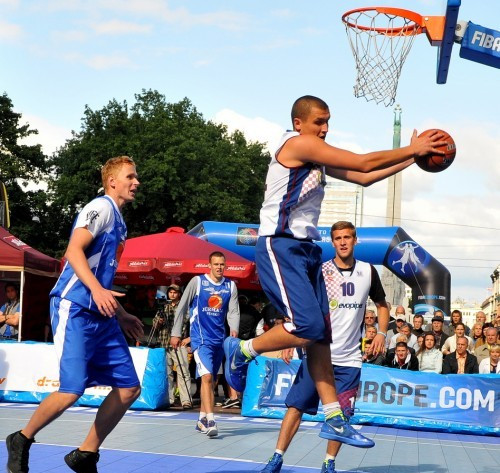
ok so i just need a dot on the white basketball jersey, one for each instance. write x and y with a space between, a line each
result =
347 295
293 197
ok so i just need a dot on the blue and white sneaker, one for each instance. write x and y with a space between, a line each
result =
274 464
337 428
212 429
202 425
328 466
236 366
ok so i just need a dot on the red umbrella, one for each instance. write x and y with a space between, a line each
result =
174 257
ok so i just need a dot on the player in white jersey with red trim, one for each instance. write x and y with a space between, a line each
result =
349 283
288 261
86 321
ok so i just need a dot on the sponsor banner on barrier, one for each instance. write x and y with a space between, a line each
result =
455 403
34 367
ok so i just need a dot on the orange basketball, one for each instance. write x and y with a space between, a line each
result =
438 162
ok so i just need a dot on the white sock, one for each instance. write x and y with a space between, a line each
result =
331 408
329 457
202 414
280 452
248 347
210 416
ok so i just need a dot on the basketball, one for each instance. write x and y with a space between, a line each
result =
438 162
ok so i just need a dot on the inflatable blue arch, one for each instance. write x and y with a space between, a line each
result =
391 247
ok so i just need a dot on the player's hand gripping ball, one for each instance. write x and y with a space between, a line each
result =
438 162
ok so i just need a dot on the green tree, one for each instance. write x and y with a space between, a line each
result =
190 169
19 164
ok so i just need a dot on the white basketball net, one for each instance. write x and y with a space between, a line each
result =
380 43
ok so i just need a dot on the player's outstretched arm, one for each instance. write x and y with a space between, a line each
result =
310 148
75 254
366 179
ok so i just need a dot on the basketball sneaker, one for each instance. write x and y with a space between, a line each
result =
236 366
202 425
82 461
328 467
274 464
18 450
212 429
337 428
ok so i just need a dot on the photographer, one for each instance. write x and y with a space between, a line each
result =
162 323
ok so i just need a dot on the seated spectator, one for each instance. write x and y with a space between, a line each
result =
370 333
370 321
405 330
477 335
480 317
9 312
491 365
483 351
456 318
394 328
418 321
369 357
430 359
460 361
451 342
496 320
437 329
401 338
420 341
401 358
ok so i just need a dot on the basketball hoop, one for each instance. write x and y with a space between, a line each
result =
380 39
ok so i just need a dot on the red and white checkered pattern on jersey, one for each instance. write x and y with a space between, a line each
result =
333 280
312 183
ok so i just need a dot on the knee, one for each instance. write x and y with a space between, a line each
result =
130 394
207 379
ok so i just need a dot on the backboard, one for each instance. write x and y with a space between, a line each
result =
444 51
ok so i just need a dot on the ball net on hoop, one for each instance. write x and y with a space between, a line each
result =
380 39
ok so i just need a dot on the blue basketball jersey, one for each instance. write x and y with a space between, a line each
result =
208 311
103 220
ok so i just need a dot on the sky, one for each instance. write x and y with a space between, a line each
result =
243 63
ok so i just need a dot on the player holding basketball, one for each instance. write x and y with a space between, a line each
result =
289 262
86 320
349 283
210 298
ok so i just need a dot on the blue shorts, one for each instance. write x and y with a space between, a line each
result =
208 360
91 349
304 397
290 274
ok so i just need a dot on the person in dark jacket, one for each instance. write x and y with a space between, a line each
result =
460 361
402 358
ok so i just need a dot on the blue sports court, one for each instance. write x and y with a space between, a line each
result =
155 442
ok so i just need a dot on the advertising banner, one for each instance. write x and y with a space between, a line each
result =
387 396
29 372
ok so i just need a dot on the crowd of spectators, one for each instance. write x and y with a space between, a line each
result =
452 349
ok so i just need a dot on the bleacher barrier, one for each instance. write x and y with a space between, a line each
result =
389 397
29 372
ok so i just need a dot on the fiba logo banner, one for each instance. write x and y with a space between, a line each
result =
408 258
246 236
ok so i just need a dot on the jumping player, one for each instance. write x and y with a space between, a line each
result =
349 283
289 262
210 298
86 320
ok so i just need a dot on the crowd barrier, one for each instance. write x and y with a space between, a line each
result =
389 397
29 372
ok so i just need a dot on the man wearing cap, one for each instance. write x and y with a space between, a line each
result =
437 329
396 329
177 357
